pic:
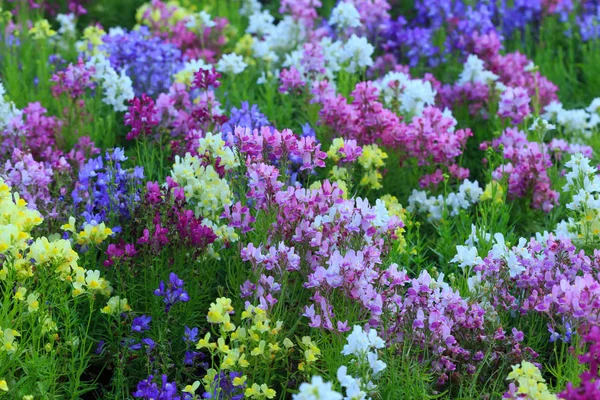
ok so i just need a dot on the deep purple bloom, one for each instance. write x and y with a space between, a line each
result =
173 292
141 323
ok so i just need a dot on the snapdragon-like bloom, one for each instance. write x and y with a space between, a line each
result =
232 64
172 292
317 389
118 88
356 54
345 15
151 74
141 116
514 104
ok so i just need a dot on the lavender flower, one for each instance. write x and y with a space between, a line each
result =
147 60
105 189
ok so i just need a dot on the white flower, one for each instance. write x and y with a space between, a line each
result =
8 110
351 384
473 282
231 64
499 249
345 15
474 72
448 114
67 24
552 110
466 257
471 190
262 50
521 249
250 7
530 67
376 364
206 19
357 53
118 90
118 87
574 121
474 236
359 342
412 94
317 389
594 106
260 23
515 268
542 125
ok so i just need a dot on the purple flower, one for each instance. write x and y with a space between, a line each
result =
514 104
172 292
148 61
190 335
141 324
147 389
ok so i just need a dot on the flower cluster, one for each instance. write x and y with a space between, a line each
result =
150 74
529 383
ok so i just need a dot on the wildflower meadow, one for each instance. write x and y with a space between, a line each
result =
299 199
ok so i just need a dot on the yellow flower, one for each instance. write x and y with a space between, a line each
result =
269 393
239 334
260 350
191 389
259 392
242 362
92 39
222 346
240 380
339 173
219 311
393 206
20 293
69 226
244 46
32 302
8 340
253 391
274 347
209 377
287 343
41 30
493 191
116 305
3 385
202 343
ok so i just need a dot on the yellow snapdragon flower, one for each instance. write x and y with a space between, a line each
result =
493 191
41 30
116 305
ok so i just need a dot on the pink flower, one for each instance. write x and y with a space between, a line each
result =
514 104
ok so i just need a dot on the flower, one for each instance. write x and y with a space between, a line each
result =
317 389
514 104
232 64
173 292
141 323
466 257
356 54
345 15
32 302
257 391
115 306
